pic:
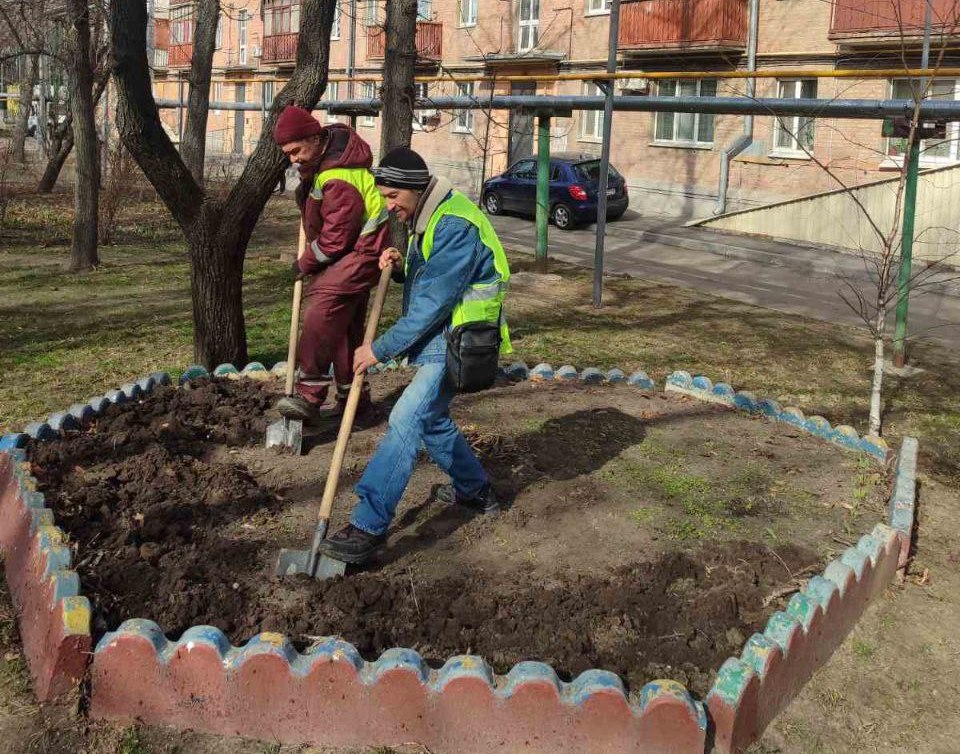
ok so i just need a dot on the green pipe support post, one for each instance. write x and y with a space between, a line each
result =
543 187
906 255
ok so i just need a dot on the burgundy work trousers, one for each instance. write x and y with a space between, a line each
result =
332 330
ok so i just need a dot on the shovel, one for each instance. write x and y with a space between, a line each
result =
312 562
288 433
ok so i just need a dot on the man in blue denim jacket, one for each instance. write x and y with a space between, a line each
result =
433 287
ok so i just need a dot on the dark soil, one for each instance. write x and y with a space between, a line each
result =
169 525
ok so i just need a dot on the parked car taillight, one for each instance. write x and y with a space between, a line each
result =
578 193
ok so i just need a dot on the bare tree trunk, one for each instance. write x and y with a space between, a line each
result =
27 82
398 93
83 251
194 146
399 62
216 232
877 386
63 143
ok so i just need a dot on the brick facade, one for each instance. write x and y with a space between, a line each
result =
663 176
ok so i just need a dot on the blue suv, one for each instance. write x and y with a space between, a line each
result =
574 183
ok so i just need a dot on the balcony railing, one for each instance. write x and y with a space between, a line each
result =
278 48
682 24
870 20
161 58
181 55
429 41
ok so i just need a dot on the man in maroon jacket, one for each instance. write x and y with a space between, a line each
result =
345 221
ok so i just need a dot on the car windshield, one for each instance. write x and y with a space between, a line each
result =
590 171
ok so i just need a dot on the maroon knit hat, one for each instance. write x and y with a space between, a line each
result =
294 124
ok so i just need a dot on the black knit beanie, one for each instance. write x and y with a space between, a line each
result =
402 168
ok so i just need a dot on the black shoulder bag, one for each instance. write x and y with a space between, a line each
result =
473 355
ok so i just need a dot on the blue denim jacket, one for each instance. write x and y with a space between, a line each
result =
432 288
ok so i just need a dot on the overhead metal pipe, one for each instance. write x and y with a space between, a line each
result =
862 109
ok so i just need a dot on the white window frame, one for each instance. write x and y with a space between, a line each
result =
424 10
528 29
371 13
243 27
953 135
598 7
218 38
468 10
268 92
336 30
421 90
463 119
216 94
683 143
591 121
332 94
790 126
368 90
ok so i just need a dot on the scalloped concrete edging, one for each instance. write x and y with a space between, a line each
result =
329 695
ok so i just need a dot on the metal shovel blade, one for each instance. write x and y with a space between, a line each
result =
286 433
295 562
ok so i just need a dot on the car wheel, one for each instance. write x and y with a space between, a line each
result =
563 217
492 203
615 215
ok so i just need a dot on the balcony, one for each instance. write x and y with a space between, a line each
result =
872 21
706 25
181 55
280 48
429 41
161 58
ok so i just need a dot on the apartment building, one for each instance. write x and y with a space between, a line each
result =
672 161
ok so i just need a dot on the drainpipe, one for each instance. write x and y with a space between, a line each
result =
352 60
746 139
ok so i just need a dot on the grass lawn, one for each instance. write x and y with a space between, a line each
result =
65 338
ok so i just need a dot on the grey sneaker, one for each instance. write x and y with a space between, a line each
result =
485 502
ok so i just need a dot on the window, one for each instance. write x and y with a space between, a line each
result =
216 94
281 17
421 91
525 169
337 22
598 7
932 151
268 89
219 38
423 10
591 121
468 12
368 91
463 119
693 129
794 135
181 25
371 13
332 95
529 31
242 23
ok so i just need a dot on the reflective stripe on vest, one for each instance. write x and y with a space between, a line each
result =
375 211
482 302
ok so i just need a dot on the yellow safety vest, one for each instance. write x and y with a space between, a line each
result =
482 302
375 211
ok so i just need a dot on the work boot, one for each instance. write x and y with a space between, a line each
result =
485 502
352 545
364 405
296 407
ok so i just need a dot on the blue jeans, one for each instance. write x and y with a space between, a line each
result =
421 418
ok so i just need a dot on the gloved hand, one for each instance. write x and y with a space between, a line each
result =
296 272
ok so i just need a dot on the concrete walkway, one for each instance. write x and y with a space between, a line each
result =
774 275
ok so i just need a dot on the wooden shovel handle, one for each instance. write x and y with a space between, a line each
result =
350 411
295 319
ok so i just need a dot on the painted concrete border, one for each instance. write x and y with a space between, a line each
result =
330 695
